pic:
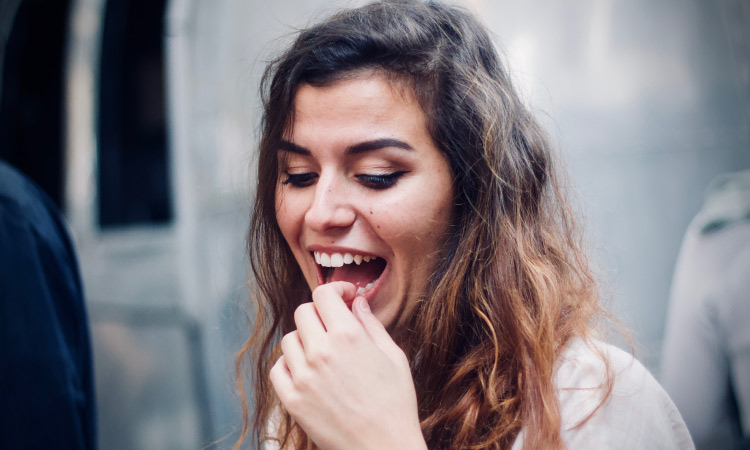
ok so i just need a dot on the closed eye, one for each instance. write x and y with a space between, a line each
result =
300 179
380 181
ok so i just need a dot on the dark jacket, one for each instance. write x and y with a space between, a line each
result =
46 377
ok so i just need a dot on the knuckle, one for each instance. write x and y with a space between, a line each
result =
293 403
319 356
304 381
401 357
346 335
335 288
272 374
288 339
277 371
321 291
303 310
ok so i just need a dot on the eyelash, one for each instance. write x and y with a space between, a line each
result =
299 179
382 181
378 182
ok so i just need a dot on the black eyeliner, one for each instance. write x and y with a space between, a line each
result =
299 179
382 181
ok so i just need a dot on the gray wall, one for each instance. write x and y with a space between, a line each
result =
647 101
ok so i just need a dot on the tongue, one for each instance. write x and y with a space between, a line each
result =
359 275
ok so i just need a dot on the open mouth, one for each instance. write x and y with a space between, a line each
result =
363 271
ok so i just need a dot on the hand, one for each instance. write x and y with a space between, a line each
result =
343 379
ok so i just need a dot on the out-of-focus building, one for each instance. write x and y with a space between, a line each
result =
139 117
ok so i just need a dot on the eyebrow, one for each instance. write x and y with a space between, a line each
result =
355 149
294 148
377 144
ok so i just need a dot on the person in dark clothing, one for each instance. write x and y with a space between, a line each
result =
46 373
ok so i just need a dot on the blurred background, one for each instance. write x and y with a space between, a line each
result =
139 118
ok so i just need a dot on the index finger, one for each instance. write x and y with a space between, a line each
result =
330 302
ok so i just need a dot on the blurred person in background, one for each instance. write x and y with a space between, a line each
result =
404 187
46 376
706 360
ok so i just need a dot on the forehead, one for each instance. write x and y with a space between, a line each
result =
366 100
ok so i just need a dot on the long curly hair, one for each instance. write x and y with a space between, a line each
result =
512 285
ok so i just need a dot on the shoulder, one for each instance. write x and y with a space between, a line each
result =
38 264
637 413
17 191
25 208
30 221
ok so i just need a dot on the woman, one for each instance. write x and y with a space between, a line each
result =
405 189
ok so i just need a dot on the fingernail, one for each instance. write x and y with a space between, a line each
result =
363 305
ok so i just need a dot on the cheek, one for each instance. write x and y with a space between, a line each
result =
416 222
286 216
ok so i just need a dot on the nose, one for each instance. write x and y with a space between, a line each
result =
331 207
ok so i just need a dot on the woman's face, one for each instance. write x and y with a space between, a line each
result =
364 195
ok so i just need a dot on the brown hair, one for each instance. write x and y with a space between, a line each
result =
512 286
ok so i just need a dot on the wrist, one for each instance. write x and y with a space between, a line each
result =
417 442
410 441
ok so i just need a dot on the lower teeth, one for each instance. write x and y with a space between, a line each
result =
361 290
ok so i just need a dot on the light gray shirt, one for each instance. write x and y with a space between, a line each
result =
637 415
707 338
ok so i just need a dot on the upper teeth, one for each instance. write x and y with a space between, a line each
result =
339 259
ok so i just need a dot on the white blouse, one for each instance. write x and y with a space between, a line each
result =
637 415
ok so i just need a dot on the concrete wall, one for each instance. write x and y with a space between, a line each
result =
647 101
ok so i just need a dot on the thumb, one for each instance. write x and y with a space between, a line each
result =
372 326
